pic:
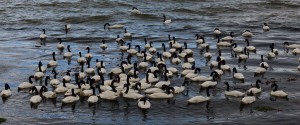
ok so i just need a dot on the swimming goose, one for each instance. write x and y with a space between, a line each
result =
127 35
249 99
215 63
266 65
175 59
217 32
153 78
135 10
188 51
271 54
43 36
26 85
179 89
61 88
209 83
43 68
247 33
256 89
103 46
250 48
199 39
131 95
261 70
88 55
296 51
207 54
225 67
39 74
109 95
236 49
131 51
165 53
115 26
124 48
147 84
93 98
89 70
4 94
223 43
100 64
244 56
165 82
193 74
67 77
143 103
201 78
233 93
167 21
266 27
203 44
238 76
68 54
187 71
81 60
156 90
67 28
277 93
54 82
228 38
48 94
219 69
200 98
119 40
144 64
53 62
163 95
36 99
152 49
60 46
81 73
292 46
70 100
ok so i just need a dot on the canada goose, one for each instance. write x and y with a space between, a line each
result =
97 77
225 67
256 89
117 71
207 54
188 51
175 43
179 89
236 49
144 64
5 93
143 103
131 95
200 78
135 10
249 99
260 70
238 76
228 38
167 21
67 77
172 50
54 82
88 92
277 93
193 74
266 65
266 27
139 54
67 28
36 99
160 60
53 62
153 78
88 55
43 36
175 59
296 51
130 50
292 46
70 100
147 84
199 39
212 83
165 82
250 48
100 64
119 40
147 45
219 69
127 65
82 74
61 88
60 46
38 75
156 90
203 43
223 43
109 95
26 85
40 65
163 95
217 32
103 46
39 87
89 70
115 26
48 94
271 54
93 98
165 53
81 60
127 35
200 98
68 54
152 49
215 63
233 93
124 48
187 71
247 33
244 56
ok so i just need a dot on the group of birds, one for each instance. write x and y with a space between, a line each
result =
149 76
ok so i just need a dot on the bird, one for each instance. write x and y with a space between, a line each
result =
53 62
238 76
69 53
247 33
43 36
4 94
249 99
166 21
67 28
143 103
70 100
277 93
81 60
36 99
233 93
60 46
88 55
135 10
266 27
256 89
200 98
93 98
26 85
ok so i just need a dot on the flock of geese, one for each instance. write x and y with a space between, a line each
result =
149 77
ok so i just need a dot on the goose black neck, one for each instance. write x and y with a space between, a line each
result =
147 78
60 41
275 87
88 49
227 86
7 86
30 77
129 59
94 91
40 68
127 88
185 45
106 25
164 18
46 80
139 48
262 58
64 83
164 48
207 91
257 85
68 48
53 56
82 68
166 77
79 54
145 39
197 70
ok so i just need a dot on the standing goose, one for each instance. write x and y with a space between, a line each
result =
277 93
256 89
70 100
43 36
115 26
135 10
53 62
167 21
143 103
81 60
60 46
200 98
247 33
54 82
233 93
26 85
68 54
36 99
238 76
5 93
266 27
67 28
103 46
250 48
88 55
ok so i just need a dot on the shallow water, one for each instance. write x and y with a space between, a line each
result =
22 22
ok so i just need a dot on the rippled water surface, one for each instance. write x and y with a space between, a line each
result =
21 22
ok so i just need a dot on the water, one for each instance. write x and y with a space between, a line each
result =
22 22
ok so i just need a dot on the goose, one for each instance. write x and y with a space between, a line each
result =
103 46
212 83
223 43
277 93
61 88
143 103
82 74
81 60
199 39
165 53
124 48
170 40
187 65
126 34
233 93
167 21
103 87
68 54
144 64
130 50
134 70
39 87
179 89
131 95
271 54
109 95
219 69
173 70
147 84
54 82
89 70
70 100
36 99
127 65
119 40
135 10
217 32
244 56
5 93
147 45
296 51
88 92
53 62
228 38
188 51
200 78
117 71
238 76
60 46
97 77
250 48
193 74
88 55
39 74
139 54
266 27
156 90
236 49
187 71
215 63
274 50
152 49
43 68
160 60
247 33
203 44
249 99
163 95
207 54
153 67
292 46
175 59
266 65
165 82
172 50
200 98
67 77
93 98
48 94
261 70
67 28
43 36
153 78
175 43
26 85
181 54
115 26
100 64
256 89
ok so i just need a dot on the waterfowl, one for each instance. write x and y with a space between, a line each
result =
166 21
238 76
292 46
131 95
48 94
203 44
88 55
277 93
115 26
175 59
165 82
212 83
199 39
117 71
100 64
193 74
103 46
163 95
266 65
39 87
244 56
153 78
296 51
223 43
247 33
228 38
93 98
179 89
200 98
89 70
250 48
68 54
215 63
233 93
61 88
271 54
54 82
124 48
207 54
67 28
103 87
40 66
4 94
126 34
187 71
172 50
144 64
39 74
143 103
175 43
165 53
256 89
53 62
67 77
70 100
188 51
81 73
88 92
152 49
147 84
135 10
225 67
36 99
130 50
97 77
81 60
261 70
236 49
156 90
43 36
26 85
266 27
119 40
110 94
219 69
249 99
217 32
200 78
60 46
